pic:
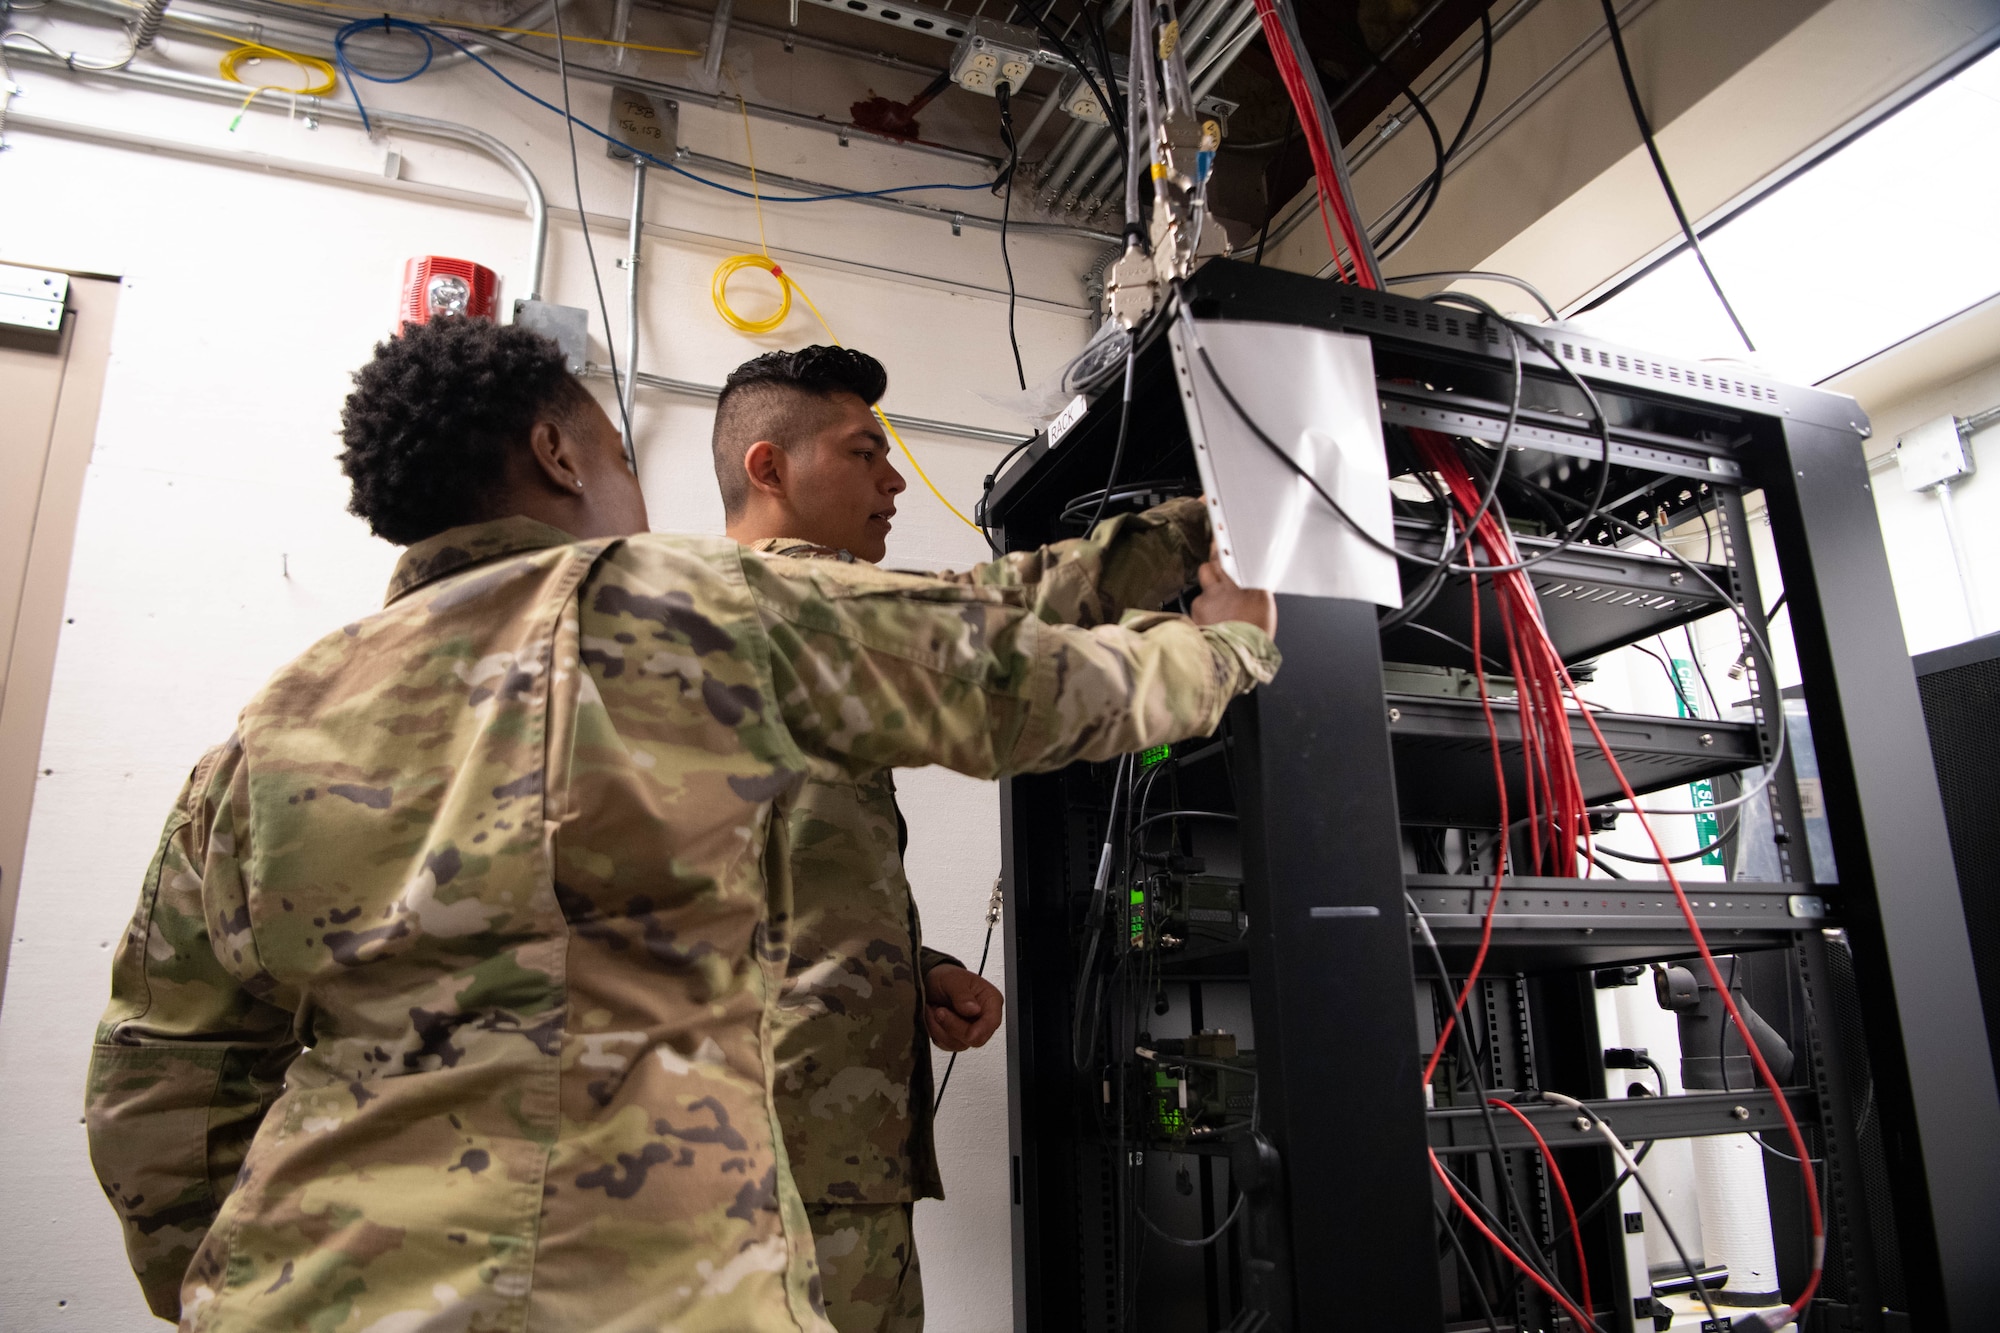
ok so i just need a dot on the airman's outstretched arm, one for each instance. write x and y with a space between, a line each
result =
1129 561
882 669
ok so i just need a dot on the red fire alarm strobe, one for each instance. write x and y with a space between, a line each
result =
434 285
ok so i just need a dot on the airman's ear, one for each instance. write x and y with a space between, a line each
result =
767 466
557 455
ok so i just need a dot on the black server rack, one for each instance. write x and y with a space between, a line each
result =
1960 689
1246 1064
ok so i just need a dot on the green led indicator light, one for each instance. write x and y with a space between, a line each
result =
1159 754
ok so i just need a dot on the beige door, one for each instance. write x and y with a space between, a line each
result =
49 389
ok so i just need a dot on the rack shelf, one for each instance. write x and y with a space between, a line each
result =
1444 762
1594 599
1549 924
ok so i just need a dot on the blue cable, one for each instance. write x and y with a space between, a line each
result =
425 32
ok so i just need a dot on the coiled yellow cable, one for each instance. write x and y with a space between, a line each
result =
305 64
718 290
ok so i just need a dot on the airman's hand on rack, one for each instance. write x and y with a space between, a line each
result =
1222 599
961 1008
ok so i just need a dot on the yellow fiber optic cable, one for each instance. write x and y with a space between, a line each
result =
309 66
787 284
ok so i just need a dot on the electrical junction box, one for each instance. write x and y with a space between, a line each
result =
1933 454
567 325
32 299
993 53
435 286
650 124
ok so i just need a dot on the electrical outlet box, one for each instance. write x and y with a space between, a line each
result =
991 54
1933 454
1080 101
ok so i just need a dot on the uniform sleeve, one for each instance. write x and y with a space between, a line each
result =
928 958
187 1059
887 670
1129 562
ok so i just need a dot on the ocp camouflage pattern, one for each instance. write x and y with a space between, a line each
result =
870 1267
854 1077
448 1001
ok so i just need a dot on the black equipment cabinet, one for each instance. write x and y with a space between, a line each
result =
1262 940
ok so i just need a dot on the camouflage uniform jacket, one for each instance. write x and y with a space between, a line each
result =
854 1073
448 1001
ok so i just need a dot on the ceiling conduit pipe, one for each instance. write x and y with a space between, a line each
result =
928 425
197 85
1042 168
709 97
1198 24
1100 180
311 31
1085 138
1048 109
1215 59
174 81
291 30
1105 158
1205 71
723 166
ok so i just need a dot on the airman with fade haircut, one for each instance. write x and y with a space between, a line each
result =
447 997
806 473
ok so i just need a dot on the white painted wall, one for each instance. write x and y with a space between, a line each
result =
1920 558
213 543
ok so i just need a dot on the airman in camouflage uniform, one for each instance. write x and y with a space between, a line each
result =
854 1075
451 996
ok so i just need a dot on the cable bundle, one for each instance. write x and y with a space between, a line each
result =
1317 125
1558 817
1555 815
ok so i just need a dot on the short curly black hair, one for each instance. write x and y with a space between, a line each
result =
434 415
776 397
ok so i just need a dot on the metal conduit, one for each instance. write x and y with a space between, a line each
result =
1063 160
1196 26
1096 188
1092 138
218 89
1103 160
635 240
708 97
289 30
928 425
174 81
1215 59
725 167
311 31
1039 169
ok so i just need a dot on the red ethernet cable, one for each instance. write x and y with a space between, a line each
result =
1555 1172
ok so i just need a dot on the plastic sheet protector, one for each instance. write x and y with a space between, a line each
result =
1310 393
